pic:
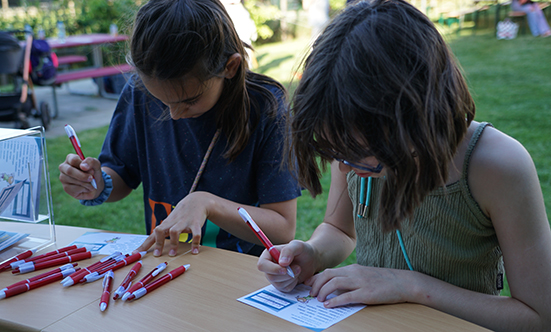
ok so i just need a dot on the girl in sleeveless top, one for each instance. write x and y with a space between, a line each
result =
437 206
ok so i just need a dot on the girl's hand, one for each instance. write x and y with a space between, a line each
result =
76 176
297 254
361 284
188 217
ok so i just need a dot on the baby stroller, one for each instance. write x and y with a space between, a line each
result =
17 98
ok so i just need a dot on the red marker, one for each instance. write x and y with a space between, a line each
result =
97 272
43 275
21 256
35 284
76 145
61 254
74 278
58 261
147 278
263 238
159 282
126 282
50 253
123 262
107 282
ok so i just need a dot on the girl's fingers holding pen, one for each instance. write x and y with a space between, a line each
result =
71 168
73 160
77 189
267 265
91 164
290 251
276 274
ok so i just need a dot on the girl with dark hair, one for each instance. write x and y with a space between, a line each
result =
437 206
199 131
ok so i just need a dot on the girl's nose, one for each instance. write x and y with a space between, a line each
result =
176 112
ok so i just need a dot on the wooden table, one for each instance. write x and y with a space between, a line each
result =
202 299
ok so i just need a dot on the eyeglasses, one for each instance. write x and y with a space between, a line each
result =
364 167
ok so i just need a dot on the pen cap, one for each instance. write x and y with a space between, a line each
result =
68 272
108 275
247 217
26 268
17 263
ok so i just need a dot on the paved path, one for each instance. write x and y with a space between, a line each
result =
80 111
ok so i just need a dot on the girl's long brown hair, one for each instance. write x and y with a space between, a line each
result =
380 78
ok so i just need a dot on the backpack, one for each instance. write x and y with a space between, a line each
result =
43 63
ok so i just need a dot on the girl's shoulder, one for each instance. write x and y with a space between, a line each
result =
496 150
499 165
267 96
262 86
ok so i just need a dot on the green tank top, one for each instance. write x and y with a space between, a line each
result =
449 237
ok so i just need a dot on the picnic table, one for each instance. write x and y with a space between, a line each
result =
98 69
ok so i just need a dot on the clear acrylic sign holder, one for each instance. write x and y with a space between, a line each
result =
26 209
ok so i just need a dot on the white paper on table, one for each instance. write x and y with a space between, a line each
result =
298 307
20 162
108 243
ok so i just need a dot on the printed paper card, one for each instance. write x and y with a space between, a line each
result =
20 162
108 243
298 307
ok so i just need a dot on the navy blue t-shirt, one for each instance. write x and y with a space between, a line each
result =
164 155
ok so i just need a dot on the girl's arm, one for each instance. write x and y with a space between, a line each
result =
335 238
330 244
120 188
507 189
277 220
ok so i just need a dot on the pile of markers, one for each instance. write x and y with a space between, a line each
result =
25 263
128 291
71 275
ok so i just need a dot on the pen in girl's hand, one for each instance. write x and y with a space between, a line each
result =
76 144
263 238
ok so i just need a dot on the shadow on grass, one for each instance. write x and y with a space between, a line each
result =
272 64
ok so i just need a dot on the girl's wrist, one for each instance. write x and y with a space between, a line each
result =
417 288
204 199
104 195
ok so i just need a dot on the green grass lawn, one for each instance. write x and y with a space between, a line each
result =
509 79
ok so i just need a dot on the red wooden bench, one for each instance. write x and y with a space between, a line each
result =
80 74
92 73
70 59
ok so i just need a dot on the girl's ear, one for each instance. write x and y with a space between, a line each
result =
232 65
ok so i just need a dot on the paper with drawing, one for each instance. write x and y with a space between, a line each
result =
298 307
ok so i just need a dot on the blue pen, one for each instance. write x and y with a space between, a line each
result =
367 196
